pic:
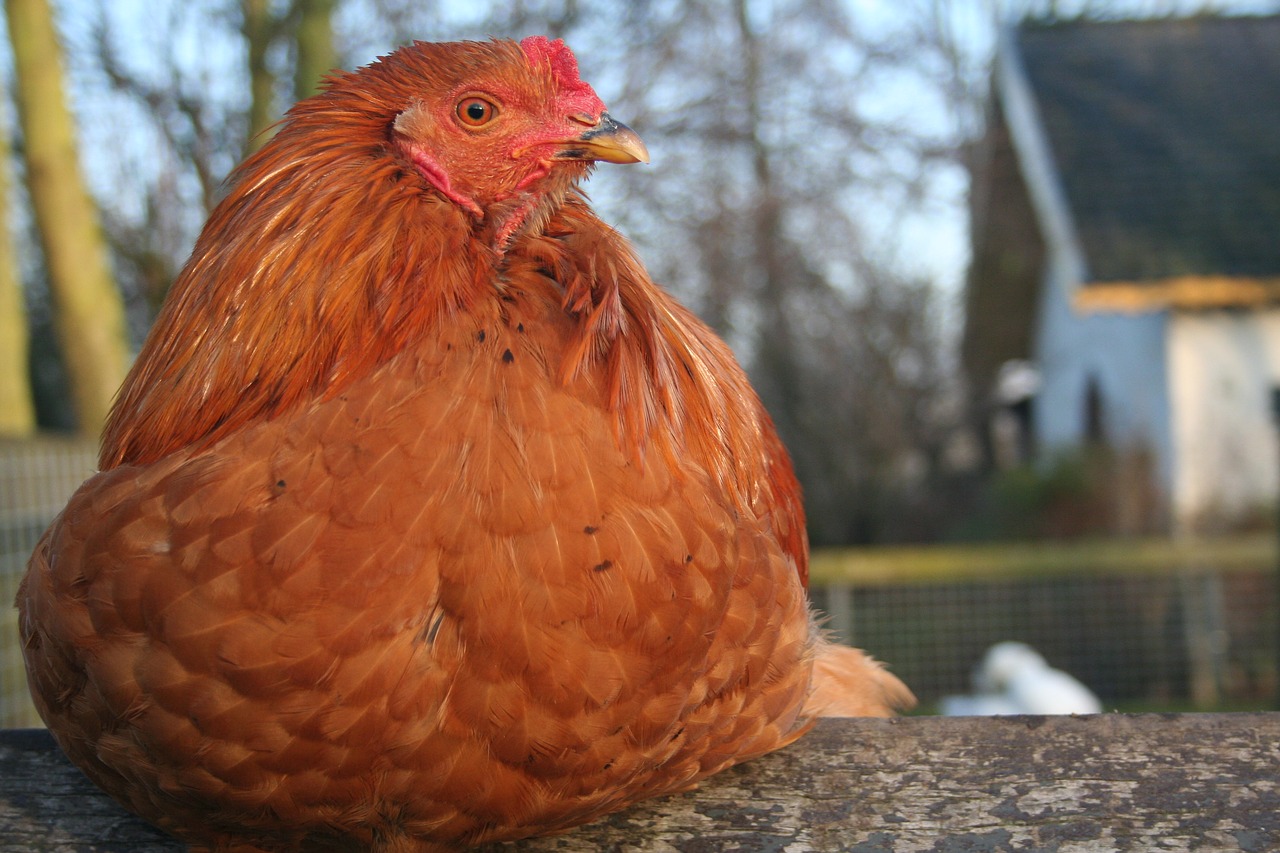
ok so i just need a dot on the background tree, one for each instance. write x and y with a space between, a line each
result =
89 310
313 40
17 408
192 118
258 27
303 28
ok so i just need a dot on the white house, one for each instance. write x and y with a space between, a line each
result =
1126 244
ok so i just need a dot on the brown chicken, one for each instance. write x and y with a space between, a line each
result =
425 518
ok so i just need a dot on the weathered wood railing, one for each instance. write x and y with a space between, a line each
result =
1110 782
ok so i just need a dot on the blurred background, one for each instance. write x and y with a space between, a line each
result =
1005 272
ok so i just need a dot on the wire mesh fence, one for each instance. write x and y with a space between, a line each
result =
1172 633
1190 638
36 478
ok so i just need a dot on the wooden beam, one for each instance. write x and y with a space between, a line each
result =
1109 782
1187 292
1109 557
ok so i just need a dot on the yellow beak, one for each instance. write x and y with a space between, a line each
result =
610 141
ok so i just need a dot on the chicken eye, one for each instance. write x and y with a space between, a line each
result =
476 112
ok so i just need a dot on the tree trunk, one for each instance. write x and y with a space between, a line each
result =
89 311
314 38
17 412
257 29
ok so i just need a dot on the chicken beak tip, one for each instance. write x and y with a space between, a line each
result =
611 141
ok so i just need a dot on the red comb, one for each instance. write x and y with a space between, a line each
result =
564 68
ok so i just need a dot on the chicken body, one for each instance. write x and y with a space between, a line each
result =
426 518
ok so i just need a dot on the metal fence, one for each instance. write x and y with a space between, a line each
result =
1142 628
1201 638
36 479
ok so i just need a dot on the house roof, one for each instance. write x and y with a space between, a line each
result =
1165 135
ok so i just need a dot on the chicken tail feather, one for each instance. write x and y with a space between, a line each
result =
848 682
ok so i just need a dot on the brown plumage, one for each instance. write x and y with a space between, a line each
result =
425 517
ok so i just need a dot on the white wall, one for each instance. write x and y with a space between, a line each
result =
1125 355
1223 365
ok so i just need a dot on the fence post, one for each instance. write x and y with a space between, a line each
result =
840 610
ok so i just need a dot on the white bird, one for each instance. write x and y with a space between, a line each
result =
1013 678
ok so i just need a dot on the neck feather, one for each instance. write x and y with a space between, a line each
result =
319 265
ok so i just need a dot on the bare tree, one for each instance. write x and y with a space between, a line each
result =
17 408
89 309
258 28
191 139
200 132
305 29
313 40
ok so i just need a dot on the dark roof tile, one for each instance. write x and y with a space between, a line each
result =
1167 136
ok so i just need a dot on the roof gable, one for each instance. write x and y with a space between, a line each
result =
1166 138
